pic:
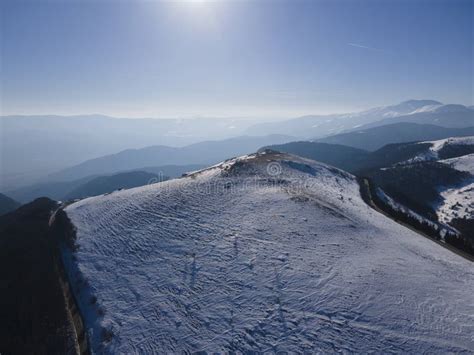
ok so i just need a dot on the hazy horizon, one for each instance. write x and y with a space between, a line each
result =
264 117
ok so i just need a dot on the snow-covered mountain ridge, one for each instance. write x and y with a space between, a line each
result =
434 148
413 111
403 108
267 252
439 144
462 163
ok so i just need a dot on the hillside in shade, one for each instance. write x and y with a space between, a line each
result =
7 204
61 190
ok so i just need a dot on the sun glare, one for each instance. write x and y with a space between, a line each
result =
201 13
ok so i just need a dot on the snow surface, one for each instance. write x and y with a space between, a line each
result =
267 252
427 108
432 152
462 163
458 201
439 144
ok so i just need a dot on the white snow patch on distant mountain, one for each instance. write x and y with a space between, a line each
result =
427 108
440 109
263 253
404 108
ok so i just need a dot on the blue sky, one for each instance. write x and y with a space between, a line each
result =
232 58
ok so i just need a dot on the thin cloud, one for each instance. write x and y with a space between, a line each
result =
363 47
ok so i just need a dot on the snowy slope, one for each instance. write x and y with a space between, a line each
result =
267 252
463 163
458 201
432 153
439 144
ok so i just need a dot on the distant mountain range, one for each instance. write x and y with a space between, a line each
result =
86 178
95 185
106 184
455 116
376 137
413 111
35 146
204 153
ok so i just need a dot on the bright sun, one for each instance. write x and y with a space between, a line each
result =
201 13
